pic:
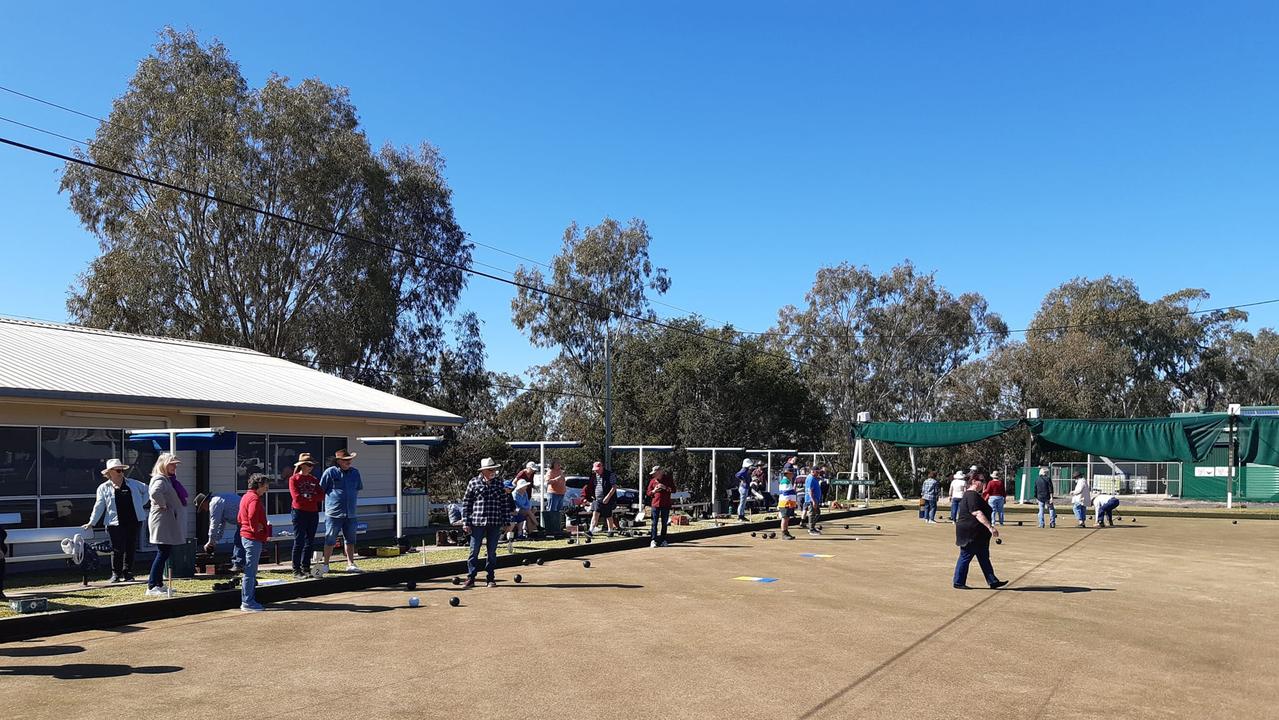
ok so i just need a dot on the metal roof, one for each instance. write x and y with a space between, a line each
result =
71 363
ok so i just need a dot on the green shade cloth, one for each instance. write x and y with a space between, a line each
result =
932 434
1259 440
1178 439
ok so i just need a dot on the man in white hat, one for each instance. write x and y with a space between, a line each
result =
744 487
485 509
522 496
1044 496
341 484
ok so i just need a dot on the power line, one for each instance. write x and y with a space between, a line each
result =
374 243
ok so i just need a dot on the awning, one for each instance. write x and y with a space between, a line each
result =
933 434
1176 439
419 441
159 442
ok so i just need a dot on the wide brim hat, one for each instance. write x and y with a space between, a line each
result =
114 464
344 455
305 459
489 464
747 463
961 475
530 465
522 484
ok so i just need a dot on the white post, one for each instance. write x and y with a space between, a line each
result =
714 484
541 459
914 472
886 472
173 448
639 497
399 488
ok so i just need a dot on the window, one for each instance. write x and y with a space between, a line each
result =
274 455
141 459
65 512
250 458
25 509
286 448
18 462
331 446
71 459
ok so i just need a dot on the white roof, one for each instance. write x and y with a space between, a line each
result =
71 363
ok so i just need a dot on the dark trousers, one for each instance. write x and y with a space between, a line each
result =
662 515
162 553
305 524
491 534
981 551
2 576
124 541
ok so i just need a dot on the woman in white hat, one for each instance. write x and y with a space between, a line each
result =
166 522
120 501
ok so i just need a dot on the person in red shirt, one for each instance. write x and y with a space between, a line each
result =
660 487
994 494
307 499
254 532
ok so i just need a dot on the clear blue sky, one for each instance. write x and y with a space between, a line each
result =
1009 146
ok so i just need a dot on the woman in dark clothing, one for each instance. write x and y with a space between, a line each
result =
973 532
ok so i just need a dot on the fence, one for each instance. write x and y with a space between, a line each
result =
1124 478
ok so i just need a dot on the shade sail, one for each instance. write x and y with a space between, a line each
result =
186 441
1259 440
1176 439
932 434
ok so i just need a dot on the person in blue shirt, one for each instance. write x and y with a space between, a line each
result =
342 485
743 488
813 492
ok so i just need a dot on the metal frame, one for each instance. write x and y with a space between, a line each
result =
641 449
399 442
714 451
541 446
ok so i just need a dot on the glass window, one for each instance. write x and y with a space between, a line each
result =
64 512
26 509
18 462
140 458
71 459
250 457
285 450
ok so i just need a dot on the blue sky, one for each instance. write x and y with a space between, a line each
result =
1008 146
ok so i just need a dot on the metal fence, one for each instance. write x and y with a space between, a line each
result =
1124 478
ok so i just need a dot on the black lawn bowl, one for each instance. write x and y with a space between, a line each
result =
586 563
541 561
457 581
519 579
455 601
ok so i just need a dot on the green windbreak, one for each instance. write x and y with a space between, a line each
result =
1259 440
932 434
1184 439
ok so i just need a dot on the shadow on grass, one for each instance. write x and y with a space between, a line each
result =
1056 588
86 671
40 650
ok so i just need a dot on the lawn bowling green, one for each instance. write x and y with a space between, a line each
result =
1168 619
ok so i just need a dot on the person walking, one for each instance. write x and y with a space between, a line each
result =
743 488
973 531
958 485
994 496
556 485
341 484
813 499
601 493
166 522
1081 498
1104 505
255 531
119 502
660 487
307 495
787 500
223 509
486 506
1044 496
930 492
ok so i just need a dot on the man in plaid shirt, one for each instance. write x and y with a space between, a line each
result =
486 507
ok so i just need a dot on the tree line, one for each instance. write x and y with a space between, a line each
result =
383 310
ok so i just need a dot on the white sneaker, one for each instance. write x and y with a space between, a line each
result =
652 543
353 568
325 567
595 528
663 544
159 591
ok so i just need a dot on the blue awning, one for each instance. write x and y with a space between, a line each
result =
159 442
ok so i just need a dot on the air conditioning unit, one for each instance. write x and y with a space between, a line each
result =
1032 413
863 417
